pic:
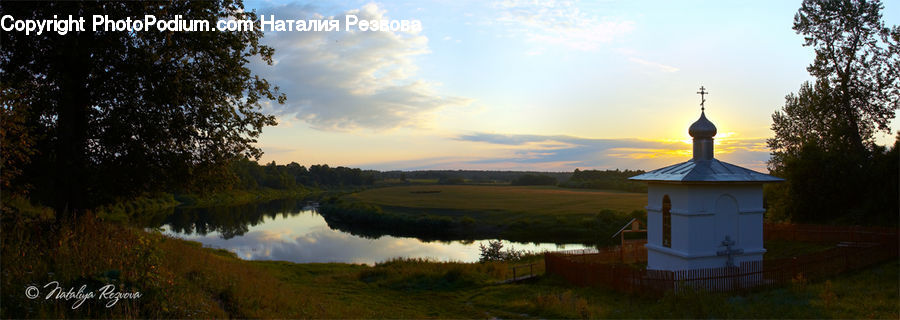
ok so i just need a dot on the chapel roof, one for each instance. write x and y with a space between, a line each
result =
705 171
704 167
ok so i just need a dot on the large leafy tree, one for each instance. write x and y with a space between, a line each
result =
857 55
824 135
112 114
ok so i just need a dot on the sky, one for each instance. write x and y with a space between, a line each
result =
532 85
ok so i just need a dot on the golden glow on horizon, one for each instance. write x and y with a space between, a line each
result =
639 153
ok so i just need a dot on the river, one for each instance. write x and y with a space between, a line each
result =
287 230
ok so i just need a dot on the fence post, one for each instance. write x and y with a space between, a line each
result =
549 261
846 262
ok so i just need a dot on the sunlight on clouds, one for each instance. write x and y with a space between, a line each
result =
729 142
559 23
533 154
641 153
515 165
566 152
545 145
351 80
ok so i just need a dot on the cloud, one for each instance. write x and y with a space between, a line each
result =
346 80
659 66
565 153
560 23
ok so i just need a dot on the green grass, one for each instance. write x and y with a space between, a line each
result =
872 293
141 208
465 212
524 199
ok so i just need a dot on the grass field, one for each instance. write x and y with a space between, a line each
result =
527 199
468 212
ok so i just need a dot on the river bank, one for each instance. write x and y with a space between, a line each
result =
181 279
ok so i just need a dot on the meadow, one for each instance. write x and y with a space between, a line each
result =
467 212
545 200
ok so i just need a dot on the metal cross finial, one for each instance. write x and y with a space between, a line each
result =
702 94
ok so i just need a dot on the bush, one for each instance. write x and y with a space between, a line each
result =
494 252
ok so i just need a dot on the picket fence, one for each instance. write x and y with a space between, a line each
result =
618 267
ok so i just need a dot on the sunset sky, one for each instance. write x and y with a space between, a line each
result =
532 85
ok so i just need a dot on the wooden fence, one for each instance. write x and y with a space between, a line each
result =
614 267
818 233
524 272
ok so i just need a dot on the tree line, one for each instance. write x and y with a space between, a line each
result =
606 179
250 175
589 179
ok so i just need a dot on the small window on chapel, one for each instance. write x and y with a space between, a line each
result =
667 222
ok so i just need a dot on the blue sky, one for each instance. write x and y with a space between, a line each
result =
532 85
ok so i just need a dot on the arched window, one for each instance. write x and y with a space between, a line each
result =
667 222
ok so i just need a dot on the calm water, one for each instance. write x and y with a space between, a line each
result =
286 230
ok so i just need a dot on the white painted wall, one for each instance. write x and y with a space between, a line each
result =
702 215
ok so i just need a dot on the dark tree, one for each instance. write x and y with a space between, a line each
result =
807 118
17 147
113 114
858 57
824 135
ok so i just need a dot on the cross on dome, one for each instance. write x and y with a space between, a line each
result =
702 94
703 128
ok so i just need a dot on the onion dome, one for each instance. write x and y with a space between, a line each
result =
704 168
702 128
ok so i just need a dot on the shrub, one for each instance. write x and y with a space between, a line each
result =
494 252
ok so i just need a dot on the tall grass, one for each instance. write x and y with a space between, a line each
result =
176 278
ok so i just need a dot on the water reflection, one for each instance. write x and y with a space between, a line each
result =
230 221
285 230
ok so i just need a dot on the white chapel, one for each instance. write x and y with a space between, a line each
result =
704 213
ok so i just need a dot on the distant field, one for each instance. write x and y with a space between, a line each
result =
525 199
